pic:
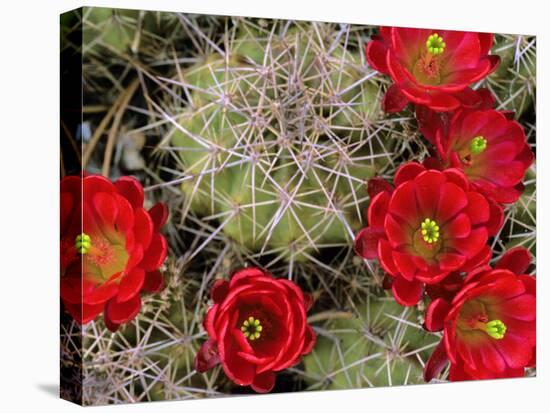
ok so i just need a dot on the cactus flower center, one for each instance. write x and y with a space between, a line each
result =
102 258
478 145
83 243
495 328
252 328
427 69
429 230
435 44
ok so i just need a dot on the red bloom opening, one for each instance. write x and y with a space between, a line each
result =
432 224
490 325
491 150
432 68
257 326
111 248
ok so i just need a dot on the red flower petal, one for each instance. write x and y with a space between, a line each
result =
516 260
245 275
155 254
530 284
235 367
394 100
406 293
494 61
522 307
111 326
470 98
66 203
130 285
408 43
219 290
452 200
131 189
153 283
263 383
377 185
436 362
375 52
159 215
447 288
461 78
472 245
459 227
378 209
71 289
403 203
125 217
143 228
457 177
450 262
435 100
491 357
82 313
106 207
485 42
366 242
101 294
207 356
93 184
463 50
405 265
457 373
427 186
124 312
435 314
386 258
309 340
477 208
408 172
516 350
397 232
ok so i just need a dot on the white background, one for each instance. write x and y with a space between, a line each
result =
29 160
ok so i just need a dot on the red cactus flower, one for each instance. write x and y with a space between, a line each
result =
432 68
489 327
432 224
491 149
111 248
257 326
429 121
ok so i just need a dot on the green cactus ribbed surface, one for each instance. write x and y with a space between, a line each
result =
275 140
380 344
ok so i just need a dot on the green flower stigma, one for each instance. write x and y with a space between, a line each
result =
252 328
429 230
478 145
435 44
496 329
83 243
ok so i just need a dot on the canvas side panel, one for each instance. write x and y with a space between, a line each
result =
71 165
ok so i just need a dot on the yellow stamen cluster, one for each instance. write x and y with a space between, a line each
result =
252 328
496 329
435 44
478 145
83 243
429 230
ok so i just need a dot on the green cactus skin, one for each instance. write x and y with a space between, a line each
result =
297 116
379 346
514 82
